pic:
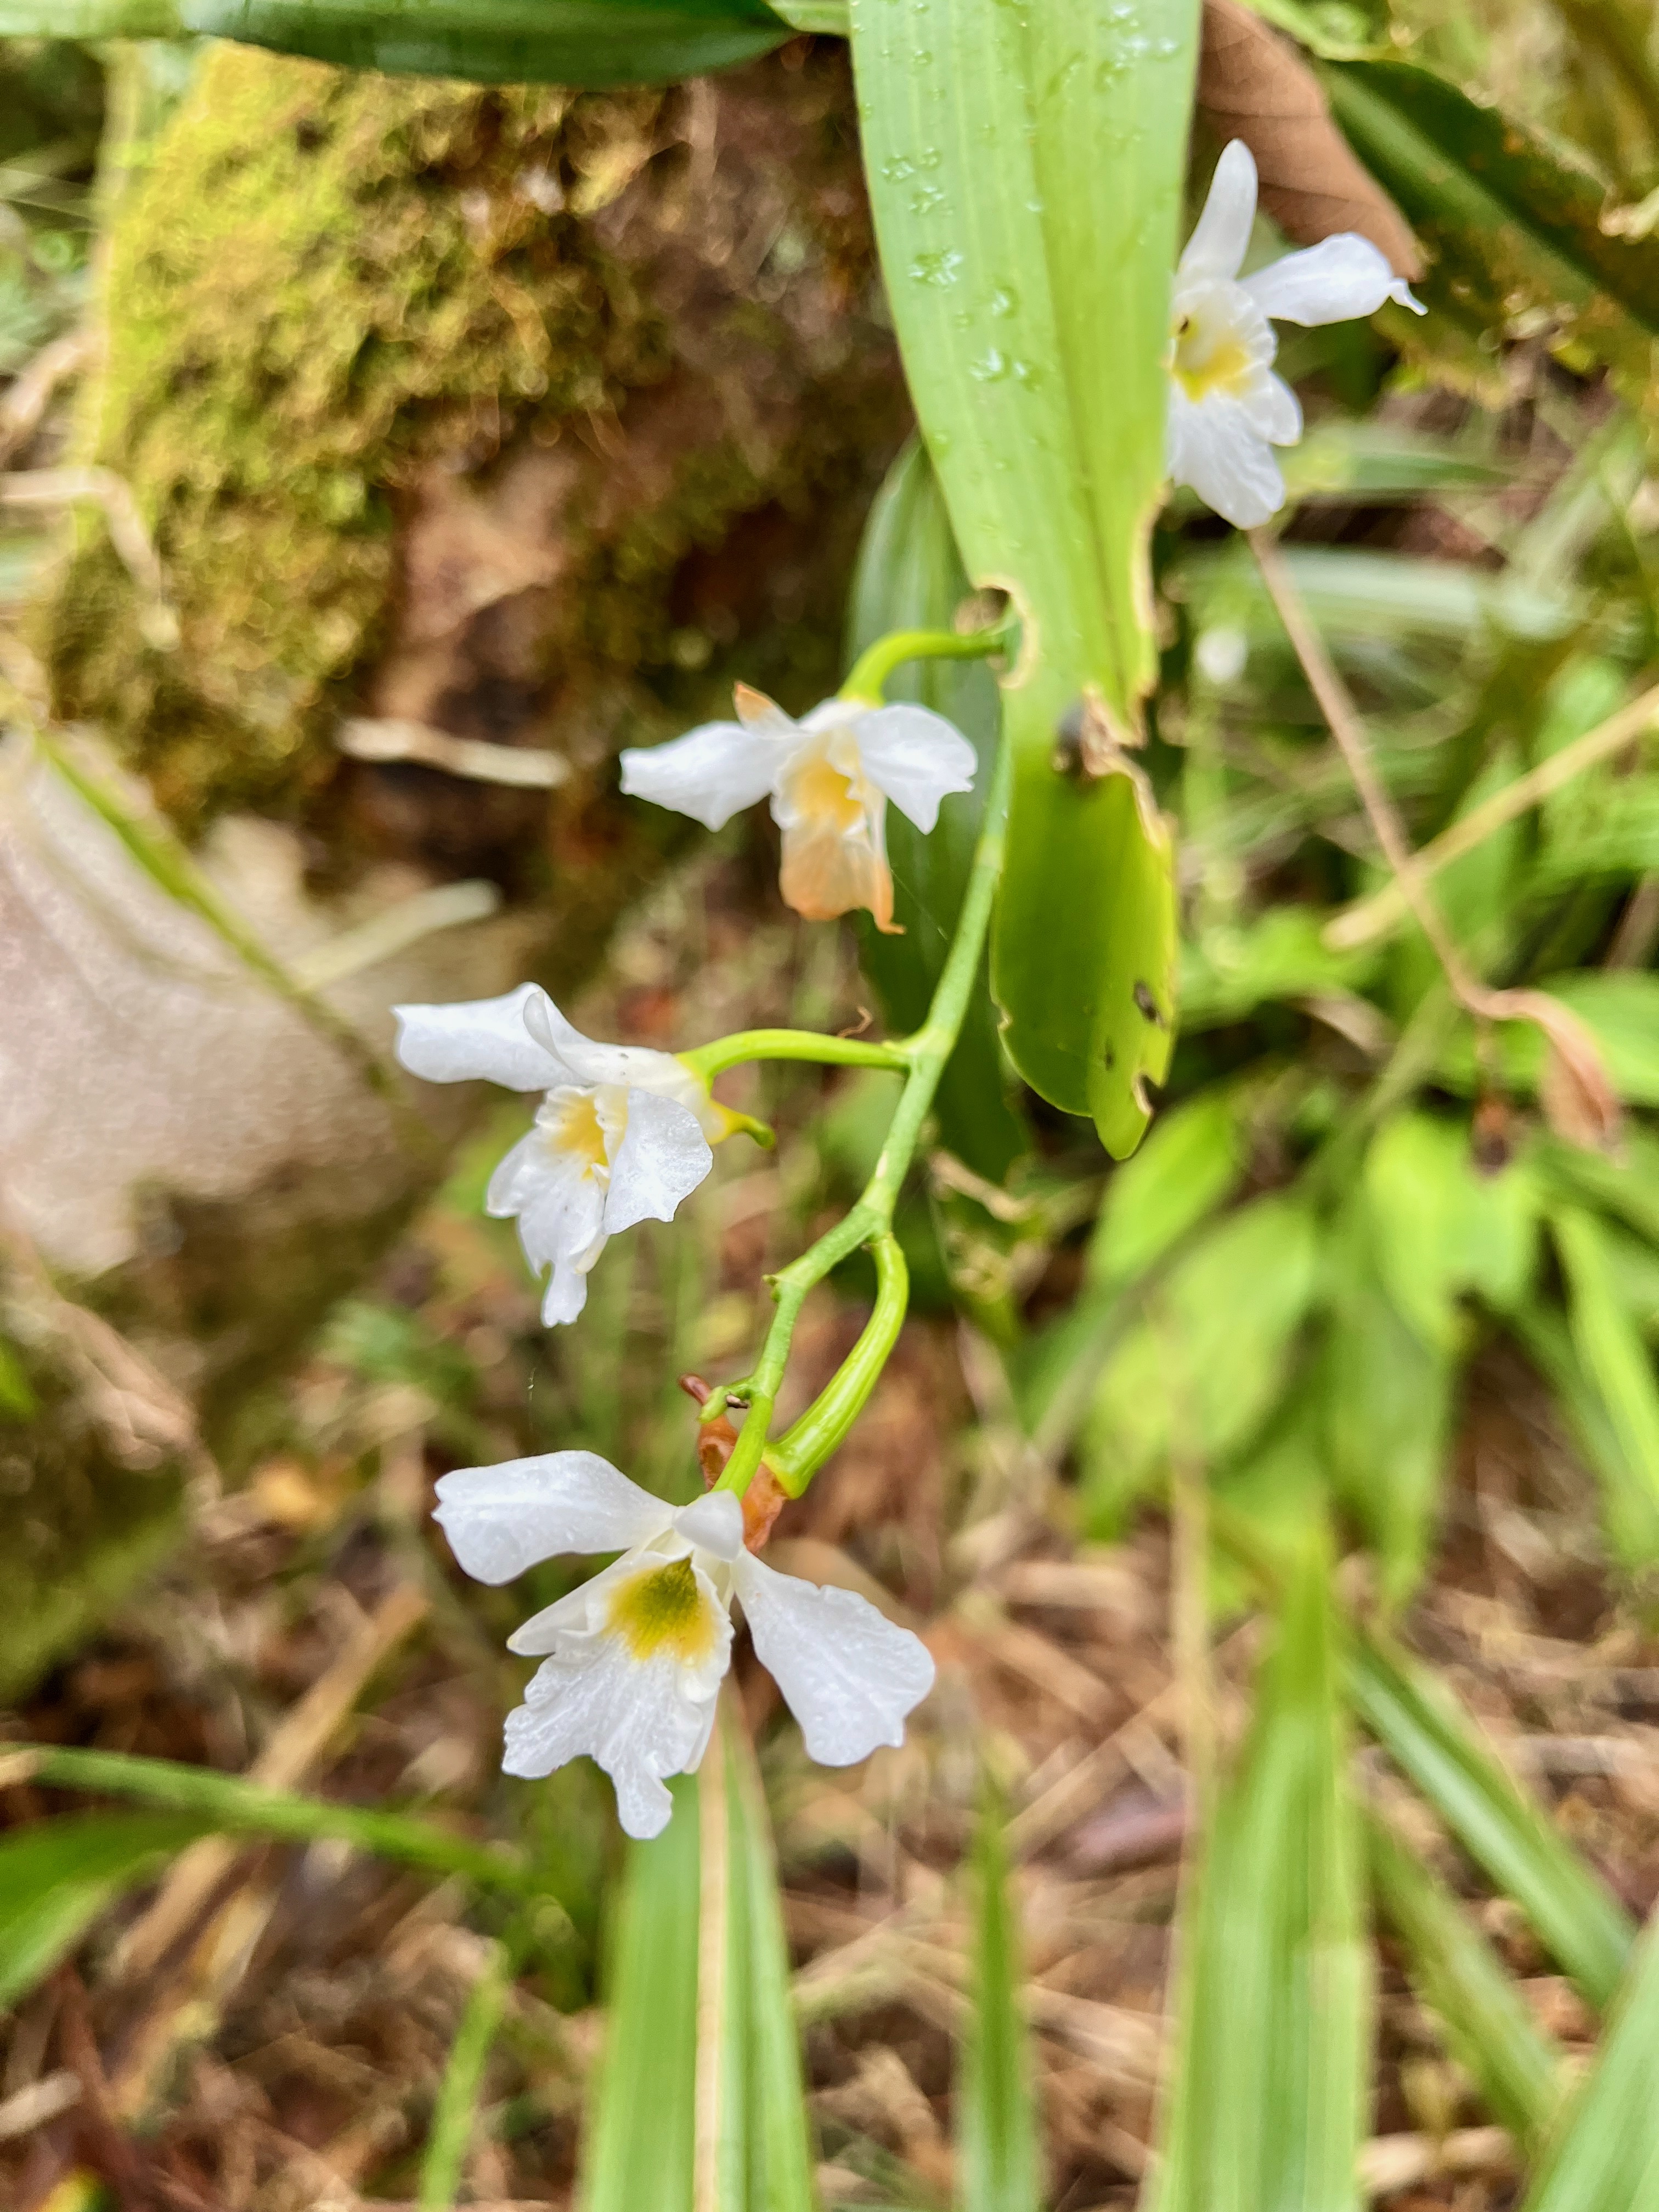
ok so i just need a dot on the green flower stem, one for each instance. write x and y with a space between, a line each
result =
871 1221
821 1429
871 671
706 1061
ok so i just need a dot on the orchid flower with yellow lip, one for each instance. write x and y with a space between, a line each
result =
622 1134
828 777
1227 409
636 1657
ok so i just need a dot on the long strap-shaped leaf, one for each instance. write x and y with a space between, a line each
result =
57 1876
1457 167
640 2127
995 2106
1268 2106
1426 1733
1025 159
232 1806
1489 2029
1606 2157
701 2103
578 42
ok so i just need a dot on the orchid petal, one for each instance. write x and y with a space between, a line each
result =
916 757
637 1066
500 1520
483 1039
713 1523
711 773
1338 279
662 1158
640 1720
1212 447
825 872
850 1673
561 1216
1222 233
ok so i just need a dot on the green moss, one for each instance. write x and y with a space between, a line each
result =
322 282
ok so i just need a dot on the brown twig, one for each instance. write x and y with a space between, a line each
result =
1373 917
1576 1093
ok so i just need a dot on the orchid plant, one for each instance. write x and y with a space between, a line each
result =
633 1660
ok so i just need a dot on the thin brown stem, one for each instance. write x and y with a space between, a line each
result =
1576 1060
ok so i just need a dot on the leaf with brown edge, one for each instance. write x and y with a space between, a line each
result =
1254 85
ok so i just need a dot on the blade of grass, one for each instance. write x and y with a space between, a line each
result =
1269 2094
642 2129
57 1877
450 2135
1606 2154
1489 2030
1427 1734
780 2159
226 1803
997 2159
1615 1362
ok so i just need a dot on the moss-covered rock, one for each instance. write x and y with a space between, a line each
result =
331 299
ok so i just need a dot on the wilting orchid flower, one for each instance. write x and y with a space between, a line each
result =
621 1135
1227 409
829 776
636 1657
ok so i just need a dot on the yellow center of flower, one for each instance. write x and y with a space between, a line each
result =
661 1609
577 1129
1208 360
826 797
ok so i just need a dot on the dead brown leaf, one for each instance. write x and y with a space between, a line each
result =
1254 85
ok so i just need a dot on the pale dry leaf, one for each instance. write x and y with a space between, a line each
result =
1254 85
1574 1089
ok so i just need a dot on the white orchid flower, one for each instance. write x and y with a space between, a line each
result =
621 1135
1227 409
828 777
636 1657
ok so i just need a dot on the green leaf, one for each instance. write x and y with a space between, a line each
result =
1621 1009
702 2099
1627 1187
779 2161
1489 2029
1190 1164
1615 1362
1268 2102
1026 168
1228 972
1484 190
997 2156
234 1806
1628 1505
1442 1227
1388 1408
1429 1737
1206 1362
57 1877
909 576
1606 2152
642 2124
575 42
450 2135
